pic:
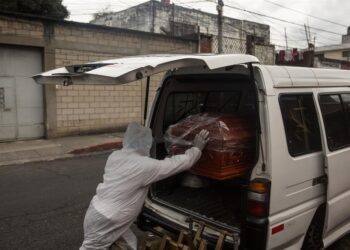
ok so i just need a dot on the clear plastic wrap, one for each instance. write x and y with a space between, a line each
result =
231 147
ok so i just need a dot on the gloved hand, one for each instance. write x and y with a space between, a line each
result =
201 139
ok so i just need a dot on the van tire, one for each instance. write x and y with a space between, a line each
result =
313 237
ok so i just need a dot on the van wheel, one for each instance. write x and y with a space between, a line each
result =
313 237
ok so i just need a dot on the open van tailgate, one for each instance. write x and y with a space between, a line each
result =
128 69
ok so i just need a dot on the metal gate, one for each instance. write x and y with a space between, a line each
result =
21 100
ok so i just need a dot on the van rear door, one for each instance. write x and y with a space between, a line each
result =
128 69
335 110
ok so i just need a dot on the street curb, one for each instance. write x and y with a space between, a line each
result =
97 148
80 152
54 158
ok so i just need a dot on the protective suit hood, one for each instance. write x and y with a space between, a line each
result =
138 138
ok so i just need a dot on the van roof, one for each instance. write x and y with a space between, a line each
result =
284 76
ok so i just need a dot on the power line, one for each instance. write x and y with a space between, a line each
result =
297 40
278 19
301 12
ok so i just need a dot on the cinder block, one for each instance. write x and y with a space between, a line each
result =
67 99
83 105
73 105
61 105
89 99
89 111
67 111
78 111
104 104
78 99
99 110
84 116
83 92
95 105
94 116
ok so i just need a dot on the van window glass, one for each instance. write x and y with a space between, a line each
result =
300 124
249 103
222 102
335 114
346 102
181 105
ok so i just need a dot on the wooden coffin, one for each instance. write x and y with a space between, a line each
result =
230 151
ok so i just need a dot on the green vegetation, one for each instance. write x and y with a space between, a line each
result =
46 8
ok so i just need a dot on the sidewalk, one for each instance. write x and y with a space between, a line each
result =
45 150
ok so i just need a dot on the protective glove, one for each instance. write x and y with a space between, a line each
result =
201 139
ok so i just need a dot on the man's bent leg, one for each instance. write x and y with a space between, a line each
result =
98 231
130 239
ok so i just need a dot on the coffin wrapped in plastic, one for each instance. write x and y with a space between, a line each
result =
230 151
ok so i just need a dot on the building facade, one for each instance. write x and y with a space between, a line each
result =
30 45
334 56
164 18
177 21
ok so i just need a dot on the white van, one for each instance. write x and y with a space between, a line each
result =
298 192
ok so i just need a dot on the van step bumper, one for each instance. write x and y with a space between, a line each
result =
152 222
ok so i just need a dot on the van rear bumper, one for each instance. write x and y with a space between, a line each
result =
148 220
255 235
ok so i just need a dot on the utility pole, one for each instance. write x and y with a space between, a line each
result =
307 36
285 36
220 8
310 43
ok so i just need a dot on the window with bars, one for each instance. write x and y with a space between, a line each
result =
2 98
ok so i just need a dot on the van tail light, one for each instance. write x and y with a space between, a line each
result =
258 198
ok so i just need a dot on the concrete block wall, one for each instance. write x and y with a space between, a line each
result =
21 28
89 108
265 53
93 108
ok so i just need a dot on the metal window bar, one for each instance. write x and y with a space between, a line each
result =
2 98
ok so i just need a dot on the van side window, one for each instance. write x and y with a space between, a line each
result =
336 117
300 123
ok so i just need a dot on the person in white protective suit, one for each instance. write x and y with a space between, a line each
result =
127 177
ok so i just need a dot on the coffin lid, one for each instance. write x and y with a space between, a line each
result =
128 69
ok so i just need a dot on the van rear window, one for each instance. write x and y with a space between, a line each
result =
336 117
182 104
300 123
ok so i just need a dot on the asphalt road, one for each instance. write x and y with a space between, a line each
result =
43 204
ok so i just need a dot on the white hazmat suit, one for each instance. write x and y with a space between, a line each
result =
120 197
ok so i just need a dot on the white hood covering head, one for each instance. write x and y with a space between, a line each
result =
139 138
